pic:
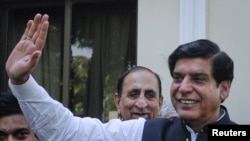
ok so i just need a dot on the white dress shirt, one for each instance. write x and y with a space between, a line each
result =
51 121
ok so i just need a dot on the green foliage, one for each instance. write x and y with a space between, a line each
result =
79 67
109 92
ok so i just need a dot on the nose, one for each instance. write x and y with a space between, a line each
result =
185 86
10 138
141 102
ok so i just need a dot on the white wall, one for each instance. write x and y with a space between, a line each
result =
158 33
227 23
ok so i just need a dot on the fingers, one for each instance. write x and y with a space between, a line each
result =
41 35
40 41
33 29
25 34
27 52
37 30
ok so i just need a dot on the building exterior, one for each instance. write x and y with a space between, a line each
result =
158 27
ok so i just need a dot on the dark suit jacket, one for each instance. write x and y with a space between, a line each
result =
162 129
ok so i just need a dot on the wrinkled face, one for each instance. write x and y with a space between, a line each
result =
194 92
15 128
140 96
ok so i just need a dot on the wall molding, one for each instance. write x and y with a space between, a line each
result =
192 24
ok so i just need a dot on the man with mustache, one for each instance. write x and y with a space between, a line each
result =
202 75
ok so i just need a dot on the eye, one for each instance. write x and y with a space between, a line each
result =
150 94
177 78
134 93
22 134
200 79
2 135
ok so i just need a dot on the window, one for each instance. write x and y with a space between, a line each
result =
89 44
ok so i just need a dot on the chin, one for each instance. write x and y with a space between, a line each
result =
187 116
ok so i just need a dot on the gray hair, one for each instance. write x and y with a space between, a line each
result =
168 110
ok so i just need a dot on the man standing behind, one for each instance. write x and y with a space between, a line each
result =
13 125
138 94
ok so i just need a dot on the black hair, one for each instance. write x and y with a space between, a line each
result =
222 64
9 104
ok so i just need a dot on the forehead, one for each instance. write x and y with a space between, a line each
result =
13 121
141 79
193 64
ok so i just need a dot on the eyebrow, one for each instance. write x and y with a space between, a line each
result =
21 130
192 74
134 89
150 90
3 131
199 74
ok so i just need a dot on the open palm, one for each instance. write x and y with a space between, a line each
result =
27 51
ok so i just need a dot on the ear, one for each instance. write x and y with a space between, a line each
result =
160 104
161 101
224 89
117 102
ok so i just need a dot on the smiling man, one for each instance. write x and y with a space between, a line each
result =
202 76
138 94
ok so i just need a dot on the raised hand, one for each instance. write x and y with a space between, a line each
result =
27 51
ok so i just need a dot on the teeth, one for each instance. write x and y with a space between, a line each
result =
140 114
187 101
